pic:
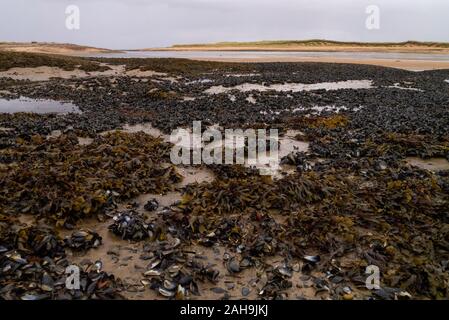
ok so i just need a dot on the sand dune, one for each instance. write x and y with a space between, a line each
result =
50 48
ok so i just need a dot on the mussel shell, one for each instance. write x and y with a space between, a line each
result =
80 234
152 273
285 272
170 285
174 270
312 259
16 258
145 282
233 266
166 293
34 297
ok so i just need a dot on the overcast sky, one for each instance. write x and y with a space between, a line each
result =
127 24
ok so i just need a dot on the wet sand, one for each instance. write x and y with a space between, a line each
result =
46 73
411 65
432 164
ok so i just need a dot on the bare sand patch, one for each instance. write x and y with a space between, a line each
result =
411 65
432 164
45 73
148 73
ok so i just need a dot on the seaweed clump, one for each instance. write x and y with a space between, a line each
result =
393 218
33 266
10 60
59 179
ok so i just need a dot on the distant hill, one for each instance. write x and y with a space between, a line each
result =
318 42
315 45
50 48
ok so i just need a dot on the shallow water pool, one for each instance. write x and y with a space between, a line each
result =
36 106
294 87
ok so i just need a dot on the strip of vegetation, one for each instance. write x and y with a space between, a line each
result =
178 66
318 42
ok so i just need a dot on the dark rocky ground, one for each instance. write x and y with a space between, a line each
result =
353 200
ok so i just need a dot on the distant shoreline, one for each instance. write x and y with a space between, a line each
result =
424 50
274 46
407 63
313 45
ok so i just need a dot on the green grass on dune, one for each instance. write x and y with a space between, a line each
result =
318 42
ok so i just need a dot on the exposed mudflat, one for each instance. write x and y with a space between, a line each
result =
361 180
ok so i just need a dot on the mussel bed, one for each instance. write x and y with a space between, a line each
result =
352 202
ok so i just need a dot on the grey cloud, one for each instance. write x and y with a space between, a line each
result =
150 23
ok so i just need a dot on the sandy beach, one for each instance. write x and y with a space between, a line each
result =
310 48
412 65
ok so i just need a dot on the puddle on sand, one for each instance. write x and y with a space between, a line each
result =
432 164
239 75
190 175
199 81
319 109
288 144
398 86
36 106
195 175
265 164
164 200
269 164
294 87
81 141
146 128
85 141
